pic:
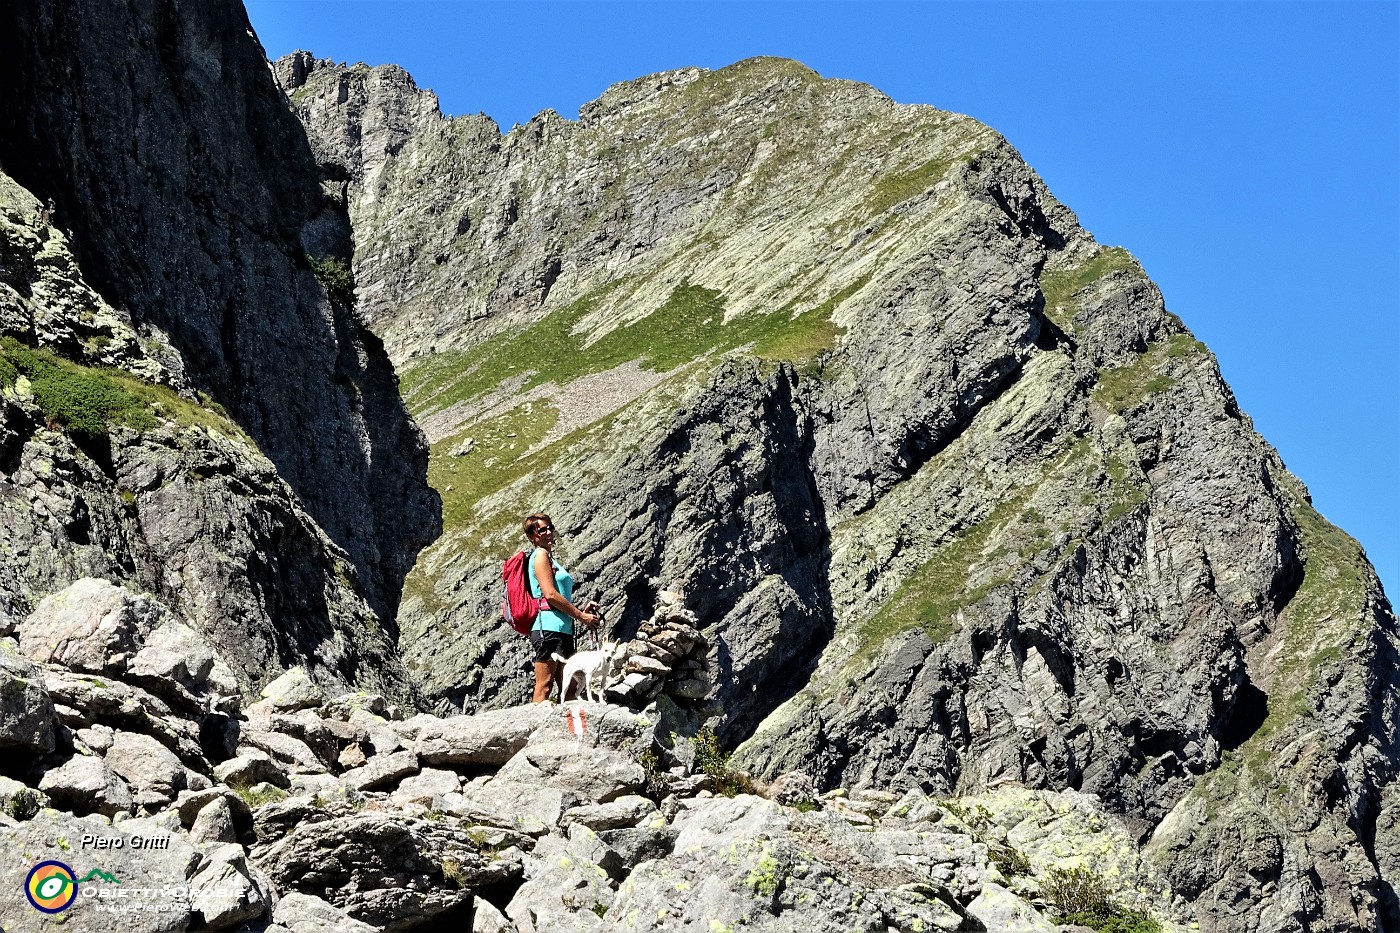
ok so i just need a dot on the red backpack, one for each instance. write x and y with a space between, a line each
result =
519 608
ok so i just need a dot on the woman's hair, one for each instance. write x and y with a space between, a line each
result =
529 523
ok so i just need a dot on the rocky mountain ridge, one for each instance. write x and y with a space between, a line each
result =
955 499
965 518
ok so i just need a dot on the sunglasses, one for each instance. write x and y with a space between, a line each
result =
538 528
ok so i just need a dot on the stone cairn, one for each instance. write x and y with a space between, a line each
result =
667 656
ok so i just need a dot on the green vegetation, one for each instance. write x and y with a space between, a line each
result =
335 277
1008 860
689 324
23 804
931 596
809 333
1079 896
1324 615
83 400
499 454
654 780
889 190
87 401
257 798
1061 288
453 873
715 763
1127 386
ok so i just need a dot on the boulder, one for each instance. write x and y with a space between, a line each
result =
214 823
428 783
293 690
250 767
27 715
152 866
625 811
375 732
290 752
382 869
792 787
597 774
654 840
227 891
153 772
532 809
190 803
177 655
381 771
485 919
999 909
83 784
485 739
302 913
565 890
100 699
92 626
343 706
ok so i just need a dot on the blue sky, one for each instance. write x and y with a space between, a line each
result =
1248 154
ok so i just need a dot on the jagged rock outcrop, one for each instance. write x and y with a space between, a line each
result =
115 467
955 499
192 202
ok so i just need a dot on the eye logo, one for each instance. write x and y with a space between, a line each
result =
50 887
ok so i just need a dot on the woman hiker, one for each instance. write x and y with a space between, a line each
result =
553 632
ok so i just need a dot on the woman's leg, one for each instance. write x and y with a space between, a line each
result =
545 673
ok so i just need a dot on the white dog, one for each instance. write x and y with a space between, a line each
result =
589 664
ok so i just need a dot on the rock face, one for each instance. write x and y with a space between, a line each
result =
193 203
956 501
112 474
243 453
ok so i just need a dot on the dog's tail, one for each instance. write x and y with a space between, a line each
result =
559 657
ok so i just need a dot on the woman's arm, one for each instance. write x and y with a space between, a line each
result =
544 573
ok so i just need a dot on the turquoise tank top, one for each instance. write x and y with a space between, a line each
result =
550 620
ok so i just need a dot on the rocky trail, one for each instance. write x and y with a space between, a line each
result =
132 772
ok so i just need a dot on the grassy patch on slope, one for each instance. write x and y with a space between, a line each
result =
88 401
1319 622
85 401
1126 386
495 452
1061 288
688 325
889 190
931 596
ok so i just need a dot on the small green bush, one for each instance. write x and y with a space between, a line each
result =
335 277
1008 860
453 873
256 798
714 762
1080 896
654 782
